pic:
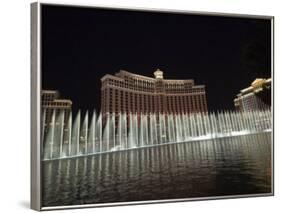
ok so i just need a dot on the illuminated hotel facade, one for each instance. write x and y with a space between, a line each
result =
127 92
51 102
255 97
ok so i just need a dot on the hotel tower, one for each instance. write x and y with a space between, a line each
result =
126 92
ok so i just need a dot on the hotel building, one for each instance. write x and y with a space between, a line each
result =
255 97
127 92
50 102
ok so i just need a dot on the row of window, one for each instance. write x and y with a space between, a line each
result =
55 104
48 97
252 102
124 101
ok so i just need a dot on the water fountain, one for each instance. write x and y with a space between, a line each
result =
63 138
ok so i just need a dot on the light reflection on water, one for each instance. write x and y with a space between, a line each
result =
230 166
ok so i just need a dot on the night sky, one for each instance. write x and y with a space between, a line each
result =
80 45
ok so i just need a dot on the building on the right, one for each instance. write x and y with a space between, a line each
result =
255 97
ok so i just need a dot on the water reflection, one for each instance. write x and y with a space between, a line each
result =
229 166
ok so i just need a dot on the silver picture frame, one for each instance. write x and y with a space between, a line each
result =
36 76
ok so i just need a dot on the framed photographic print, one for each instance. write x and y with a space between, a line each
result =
133 106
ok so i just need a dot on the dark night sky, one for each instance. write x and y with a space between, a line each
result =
80 45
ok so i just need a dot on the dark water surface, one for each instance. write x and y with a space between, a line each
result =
229 166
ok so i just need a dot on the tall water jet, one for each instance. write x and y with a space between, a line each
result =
75 139
84 135
92 134
215 128
69 129
154 129
49 141
61 131
200 125
112 131
136 130
98 139
192 127
208 124
43 125
162 128
171 128
145 130
124 127
151 132
141 132
178 128
106 133
240 121
118 138
132 131
184 127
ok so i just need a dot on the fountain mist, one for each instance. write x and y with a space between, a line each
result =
112 132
